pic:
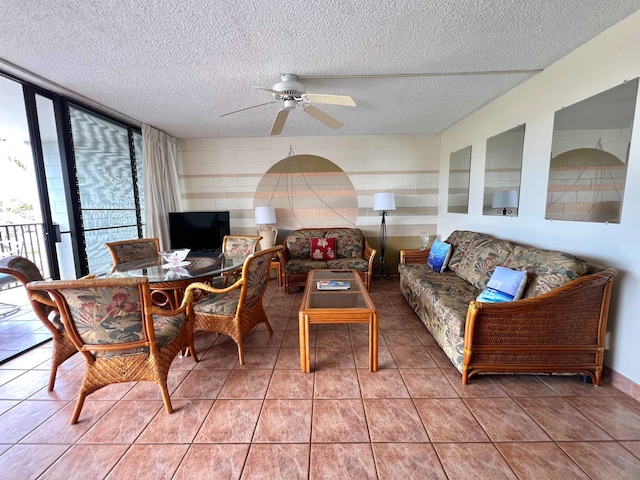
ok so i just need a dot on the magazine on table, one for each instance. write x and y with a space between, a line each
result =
333 285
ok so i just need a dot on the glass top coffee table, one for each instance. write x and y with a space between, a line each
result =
351 305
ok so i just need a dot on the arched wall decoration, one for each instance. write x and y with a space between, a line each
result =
586 184
308 191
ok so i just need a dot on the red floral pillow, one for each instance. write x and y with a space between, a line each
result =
323 248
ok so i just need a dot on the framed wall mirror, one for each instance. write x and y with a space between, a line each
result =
589 156
503 167
459 176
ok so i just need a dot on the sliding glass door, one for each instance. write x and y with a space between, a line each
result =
71 181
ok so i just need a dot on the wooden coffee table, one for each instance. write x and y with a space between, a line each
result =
337 306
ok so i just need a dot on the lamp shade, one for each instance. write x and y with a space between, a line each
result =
384 202
505 199
265 215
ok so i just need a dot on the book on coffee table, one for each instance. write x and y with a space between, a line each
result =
333 285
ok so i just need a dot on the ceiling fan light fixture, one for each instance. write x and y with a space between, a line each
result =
289 86
289 104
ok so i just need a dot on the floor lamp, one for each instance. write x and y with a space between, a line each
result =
383 203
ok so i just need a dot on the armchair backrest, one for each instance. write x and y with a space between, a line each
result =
104 314
124 251
25 271
255 274
239 246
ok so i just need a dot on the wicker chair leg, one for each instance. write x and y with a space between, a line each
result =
165 397
78 408
63 349
266 321
52 377
240 353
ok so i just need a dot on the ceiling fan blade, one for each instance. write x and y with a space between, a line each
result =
323 117
248 108
343 100
278 123
270 90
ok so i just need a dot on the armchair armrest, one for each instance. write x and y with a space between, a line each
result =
414 256
561 330
369 254
283 256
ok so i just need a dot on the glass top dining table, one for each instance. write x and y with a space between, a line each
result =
168 282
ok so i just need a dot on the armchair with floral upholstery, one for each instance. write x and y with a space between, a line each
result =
25 271
124 251
122 336
237 246
236 309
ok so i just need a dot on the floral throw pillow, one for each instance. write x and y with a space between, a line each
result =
323 248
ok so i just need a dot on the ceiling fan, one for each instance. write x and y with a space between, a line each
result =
291 93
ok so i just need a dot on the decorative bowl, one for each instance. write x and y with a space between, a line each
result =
175 257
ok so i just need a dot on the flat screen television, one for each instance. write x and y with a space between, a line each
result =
199 231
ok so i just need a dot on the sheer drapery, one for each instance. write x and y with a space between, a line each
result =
161 188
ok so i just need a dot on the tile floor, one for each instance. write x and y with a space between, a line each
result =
411 419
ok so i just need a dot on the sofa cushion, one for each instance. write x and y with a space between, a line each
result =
323 248
546 269
359 264
349 242
505 285
439 256
482 255
441 300
459 240
299 265
298 243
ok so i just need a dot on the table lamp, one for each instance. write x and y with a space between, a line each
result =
504 201
264 217
383 203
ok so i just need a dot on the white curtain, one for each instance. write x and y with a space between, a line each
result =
161 188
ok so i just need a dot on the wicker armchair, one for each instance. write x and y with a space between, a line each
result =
236 246
121 335
135 249
236 309
25 271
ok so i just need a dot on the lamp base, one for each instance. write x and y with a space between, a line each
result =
382 270
269 235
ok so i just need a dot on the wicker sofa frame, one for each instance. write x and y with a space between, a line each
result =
561 331
299 279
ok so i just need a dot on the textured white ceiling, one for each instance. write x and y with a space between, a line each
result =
179 64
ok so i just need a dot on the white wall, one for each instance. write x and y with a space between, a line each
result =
223 174
606 61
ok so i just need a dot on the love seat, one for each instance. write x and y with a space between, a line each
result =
558 326
352 251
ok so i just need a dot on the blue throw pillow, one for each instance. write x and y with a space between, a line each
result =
439 256
505 285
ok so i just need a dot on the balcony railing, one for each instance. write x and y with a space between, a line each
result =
26 240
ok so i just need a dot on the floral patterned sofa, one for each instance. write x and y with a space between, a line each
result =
558 326
352 251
